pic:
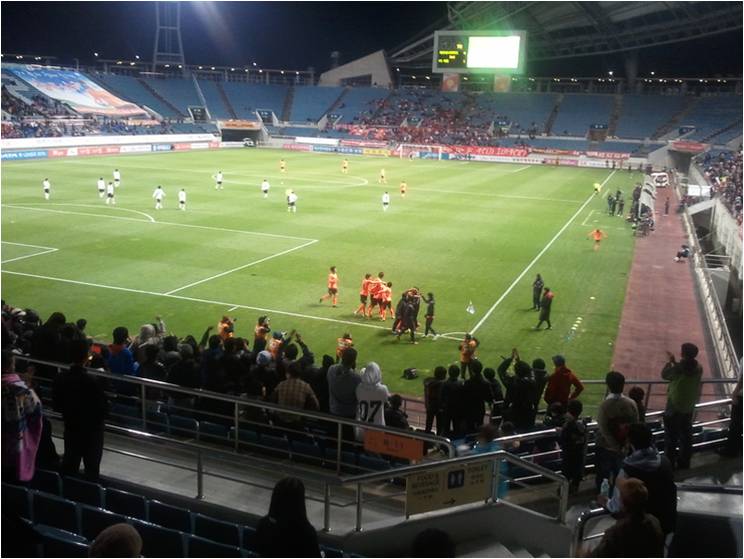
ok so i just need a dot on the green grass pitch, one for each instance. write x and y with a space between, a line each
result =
466 231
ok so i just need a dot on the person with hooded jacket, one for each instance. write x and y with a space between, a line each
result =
683 393
520 402
371 395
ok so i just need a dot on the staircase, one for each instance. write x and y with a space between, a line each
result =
160 98
709 137
617 109
676 119
338 101
487 548
288 101
553 115
226 100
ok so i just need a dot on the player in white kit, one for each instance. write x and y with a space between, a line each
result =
385 202
110 194
101 187
182 199
117 178
47 188
218 177
265 188
159 194
292 202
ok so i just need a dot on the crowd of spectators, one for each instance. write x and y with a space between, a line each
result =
724 173
45 128
39 105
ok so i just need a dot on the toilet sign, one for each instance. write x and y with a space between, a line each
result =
449 487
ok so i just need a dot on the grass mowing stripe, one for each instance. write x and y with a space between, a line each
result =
536 258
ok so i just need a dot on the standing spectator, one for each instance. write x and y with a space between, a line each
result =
46 343
433 399
22 424
540 374
683 393
467 353
545 304
655 471
520 403
614 417
80 399
120 359
560 383
371 396
294 393
638 395
636 534
573 441
733 442
286 531
496 396
342 384
537 287
452 406
475 393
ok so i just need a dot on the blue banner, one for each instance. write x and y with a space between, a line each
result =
162 147
337 149
33 154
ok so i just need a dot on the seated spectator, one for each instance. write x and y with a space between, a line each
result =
560 383
682 254
433 542
486 442
22 424
286 531
118 540
394 415
637 533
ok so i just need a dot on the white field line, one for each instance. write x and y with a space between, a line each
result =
584 223
238 268
20 207
232 308
45 250
520 169
97 206
489 195
205 301
536 258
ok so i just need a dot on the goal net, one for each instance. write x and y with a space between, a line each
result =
419 151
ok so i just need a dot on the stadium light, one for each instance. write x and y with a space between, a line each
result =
167 65
465 78
611 73
297 73
18 57
212 67
232 69
282 72
246 69
653 73
255 64
180 66
260 71
428 78
131 63
95 54
136 56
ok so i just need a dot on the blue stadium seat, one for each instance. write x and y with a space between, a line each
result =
202 547
246 436
47 481
158 541
157 422
17 499
169 516
128 416
307 452
82 491
55 511
249 538
368 462
276 446
348 459
183 426
128 504
225 533
94 520
61 543
213 432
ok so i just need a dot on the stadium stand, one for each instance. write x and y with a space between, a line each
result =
519 109
246 99
132 89
360 103
723 170
642 115
179 93
311 103
217 103
578 112
716 119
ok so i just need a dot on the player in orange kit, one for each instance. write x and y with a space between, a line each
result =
386 297
332 287
375 288
597 235
364 295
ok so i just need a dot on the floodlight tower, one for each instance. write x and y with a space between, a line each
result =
168 47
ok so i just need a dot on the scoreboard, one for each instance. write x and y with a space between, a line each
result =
468 52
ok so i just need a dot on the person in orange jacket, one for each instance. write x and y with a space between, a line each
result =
560 383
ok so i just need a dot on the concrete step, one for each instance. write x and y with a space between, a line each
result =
483 548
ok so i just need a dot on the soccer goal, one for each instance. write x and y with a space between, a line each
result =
419 151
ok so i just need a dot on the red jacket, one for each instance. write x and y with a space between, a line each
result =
559 386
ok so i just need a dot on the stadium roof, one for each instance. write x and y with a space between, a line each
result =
557 30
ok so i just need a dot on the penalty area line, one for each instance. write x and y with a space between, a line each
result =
536 258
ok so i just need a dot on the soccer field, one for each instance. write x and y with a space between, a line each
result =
465 231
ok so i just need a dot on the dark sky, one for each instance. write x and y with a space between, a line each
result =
295 35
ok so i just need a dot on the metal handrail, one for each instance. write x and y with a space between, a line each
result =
581 522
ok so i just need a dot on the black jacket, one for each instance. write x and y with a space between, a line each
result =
79 397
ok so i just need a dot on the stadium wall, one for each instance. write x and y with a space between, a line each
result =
374 65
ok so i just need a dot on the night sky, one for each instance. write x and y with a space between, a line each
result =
296 35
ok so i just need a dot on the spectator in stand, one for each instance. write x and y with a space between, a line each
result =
572 440
152 367
371 396
496 396
520 403
394 415
150 334
22 424
655 471
638 395
286 531
614 417
433 399
560 383
475 393
118 540
540 375
80 399
486 442
683 393
342 389
637 533
46 343
294 393
318 380
452 404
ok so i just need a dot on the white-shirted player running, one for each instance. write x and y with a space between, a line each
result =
117 178
265 188
47 186
385 202
292 202
218 178
110 194
182 199
159 194
101 184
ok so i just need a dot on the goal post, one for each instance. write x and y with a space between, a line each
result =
419 151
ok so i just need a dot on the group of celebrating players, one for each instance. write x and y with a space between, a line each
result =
375 292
